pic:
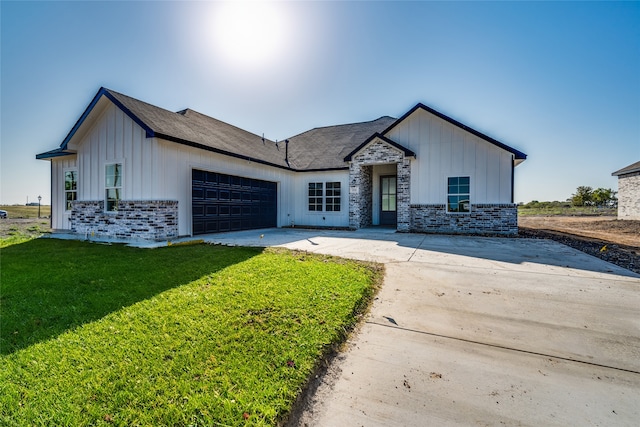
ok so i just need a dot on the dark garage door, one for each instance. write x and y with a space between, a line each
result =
229 203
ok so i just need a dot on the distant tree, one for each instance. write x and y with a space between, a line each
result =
582 197
604 197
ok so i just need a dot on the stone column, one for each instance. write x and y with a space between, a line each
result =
360 196
404 195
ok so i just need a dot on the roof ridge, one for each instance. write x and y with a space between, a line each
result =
341 125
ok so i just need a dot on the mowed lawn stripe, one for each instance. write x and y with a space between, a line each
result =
231 347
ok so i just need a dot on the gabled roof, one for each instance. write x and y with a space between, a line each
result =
325 147
186 127
317 149
406 151
632 168
518 155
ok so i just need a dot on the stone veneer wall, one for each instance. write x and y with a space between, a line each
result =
403 195
360 196
483 219
361 184
134 219
629 196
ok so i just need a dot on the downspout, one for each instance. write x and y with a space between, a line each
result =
286 152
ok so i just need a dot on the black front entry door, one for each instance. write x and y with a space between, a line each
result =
388 214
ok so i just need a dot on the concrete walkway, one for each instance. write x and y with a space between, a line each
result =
478 331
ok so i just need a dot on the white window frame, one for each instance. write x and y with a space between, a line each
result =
67 207
111 186
457 192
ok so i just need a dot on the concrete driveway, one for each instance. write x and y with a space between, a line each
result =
478 331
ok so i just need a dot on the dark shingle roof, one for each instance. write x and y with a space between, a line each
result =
326 147
320 148
323 148
635 167
195 129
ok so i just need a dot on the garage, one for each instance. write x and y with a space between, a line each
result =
223 202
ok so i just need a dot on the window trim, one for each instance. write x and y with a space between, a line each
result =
107 188
333 196
458 193
317 196
322 195
65 191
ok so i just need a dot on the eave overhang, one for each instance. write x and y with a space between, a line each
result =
632 168
58 152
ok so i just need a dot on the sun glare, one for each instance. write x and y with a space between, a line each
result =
249 33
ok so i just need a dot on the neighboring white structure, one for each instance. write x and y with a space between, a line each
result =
131 170
629 191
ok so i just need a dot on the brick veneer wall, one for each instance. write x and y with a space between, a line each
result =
360 195
134 219
629 196
483 219
360 184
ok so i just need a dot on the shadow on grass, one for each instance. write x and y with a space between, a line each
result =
49 286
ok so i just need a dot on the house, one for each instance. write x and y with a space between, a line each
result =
131 170
629 191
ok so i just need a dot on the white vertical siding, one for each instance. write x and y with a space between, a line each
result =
111 137
444 150
298 207
59 217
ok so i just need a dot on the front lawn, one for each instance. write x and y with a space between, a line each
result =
195 335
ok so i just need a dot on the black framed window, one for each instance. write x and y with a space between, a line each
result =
332 201
315 196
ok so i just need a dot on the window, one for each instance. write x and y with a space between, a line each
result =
333 197
329 203
113 186
458 194
315 196
388 193
70 188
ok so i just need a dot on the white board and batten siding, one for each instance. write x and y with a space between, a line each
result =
298 212
156 169
59 216
444 150
111 137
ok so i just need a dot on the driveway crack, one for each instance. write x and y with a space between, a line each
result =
417 247
518 350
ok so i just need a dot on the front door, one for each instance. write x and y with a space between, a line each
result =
388 200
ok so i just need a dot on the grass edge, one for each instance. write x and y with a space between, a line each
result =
358 315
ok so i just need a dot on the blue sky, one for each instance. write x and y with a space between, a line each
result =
559 81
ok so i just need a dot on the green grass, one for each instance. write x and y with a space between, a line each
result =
193 335
560 210
22 211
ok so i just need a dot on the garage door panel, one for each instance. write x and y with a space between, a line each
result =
229 203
